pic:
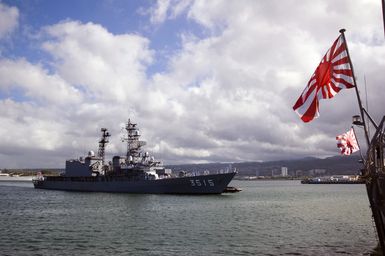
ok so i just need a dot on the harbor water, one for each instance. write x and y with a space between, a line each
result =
266 218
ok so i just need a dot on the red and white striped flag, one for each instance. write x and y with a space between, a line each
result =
332 74
347 142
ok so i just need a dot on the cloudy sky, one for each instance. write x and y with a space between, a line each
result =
206 81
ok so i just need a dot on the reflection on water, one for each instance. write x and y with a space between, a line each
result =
266 218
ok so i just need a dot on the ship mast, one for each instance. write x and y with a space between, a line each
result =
102 143
133 143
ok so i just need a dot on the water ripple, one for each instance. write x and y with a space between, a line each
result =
266 218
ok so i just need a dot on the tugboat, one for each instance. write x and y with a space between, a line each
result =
136 172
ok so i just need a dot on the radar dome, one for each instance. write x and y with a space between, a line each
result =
91 153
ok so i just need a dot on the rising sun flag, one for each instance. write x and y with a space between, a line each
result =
347 142
333 74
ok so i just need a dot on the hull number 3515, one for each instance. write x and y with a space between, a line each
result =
201 183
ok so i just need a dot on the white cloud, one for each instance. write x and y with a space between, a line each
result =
95 79
239 84
29 127
159 13
9 19
36 82
103 64
166 9
225 95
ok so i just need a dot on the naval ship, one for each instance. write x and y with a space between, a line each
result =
135 172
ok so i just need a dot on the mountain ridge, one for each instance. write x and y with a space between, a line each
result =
307 166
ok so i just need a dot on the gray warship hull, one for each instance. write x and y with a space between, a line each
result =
201 184
135 172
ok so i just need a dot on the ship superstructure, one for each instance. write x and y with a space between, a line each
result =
136 162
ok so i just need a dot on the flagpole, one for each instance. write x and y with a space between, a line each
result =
356 88
383 13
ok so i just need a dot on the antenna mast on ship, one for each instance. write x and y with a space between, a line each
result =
102 143
133 143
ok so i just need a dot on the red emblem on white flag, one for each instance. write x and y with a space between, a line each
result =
332 74
347 142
